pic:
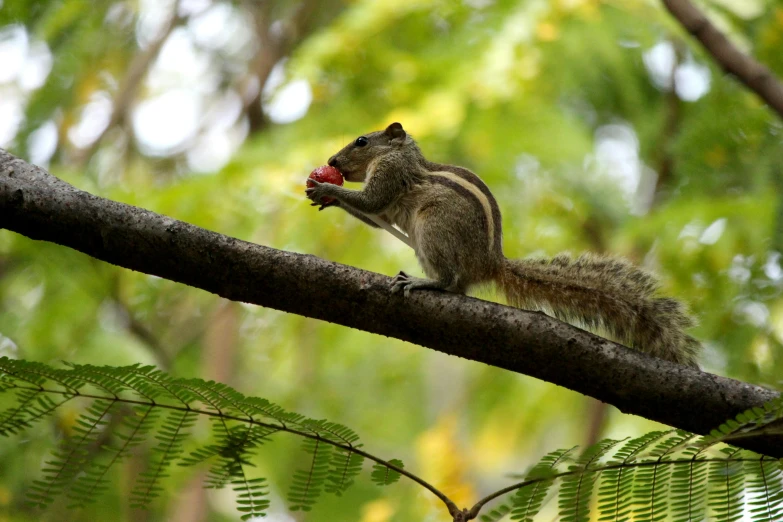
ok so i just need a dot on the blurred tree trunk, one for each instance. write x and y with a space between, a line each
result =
218 363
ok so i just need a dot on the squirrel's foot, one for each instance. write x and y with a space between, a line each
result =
405 283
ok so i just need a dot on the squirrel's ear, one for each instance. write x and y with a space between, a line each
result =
395 131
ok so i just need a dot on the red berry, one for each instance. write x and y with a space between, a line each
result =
326 174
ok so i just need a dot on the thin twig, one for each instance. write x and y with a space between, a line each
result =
129 85
754 75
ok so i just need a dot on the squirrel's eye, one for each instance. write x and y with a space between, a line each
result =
361 141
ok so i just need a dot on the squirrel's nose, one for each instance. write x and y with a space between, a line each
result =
333 161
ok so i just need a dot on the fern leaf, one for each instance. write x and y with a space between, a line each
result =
252 493
252 497
235 451
308 482
726 487
272 411
132 432
14 420
667 446
171 436
345 464
615 493
165 408
331 431
765 489
162 386
527 501
650 492
103 378
497 514
652 482
70 459
33 405
577 489
384 475
689 487
344 468
749 420
226 398
632 448
153 384
38 374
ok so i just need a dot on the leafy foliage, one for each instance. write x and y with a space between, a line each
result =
346 465
727 491
383 475
765 489
529 499
131 405
616 492
308 482
171 436
661 474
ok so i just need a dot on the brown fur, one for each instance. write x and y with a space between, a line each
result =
607 295
449 214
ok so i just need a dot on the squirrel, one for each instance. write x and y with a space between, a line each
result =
454 225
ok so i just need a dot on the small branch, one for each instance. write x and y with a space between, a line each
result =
129 85
666 158
754 75
40 206
137 328
274 47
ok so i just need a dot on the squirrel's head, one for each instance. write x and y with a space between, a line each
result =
354 158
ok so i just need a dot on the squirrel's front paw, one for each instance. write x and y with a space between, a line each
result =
319 193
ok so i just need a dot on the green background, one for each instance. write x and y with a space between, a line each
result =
556 105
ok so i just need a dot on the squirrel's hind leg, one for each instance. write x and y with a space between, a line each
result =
405 283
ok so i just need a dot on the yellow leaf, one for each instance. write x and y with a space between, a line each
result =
441 459
760 350
776 321
5 496
495 443
377 511
67 420
441 112
547 32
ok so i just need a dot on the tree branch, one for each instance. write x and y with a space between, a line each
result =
273 46
754 75
40 206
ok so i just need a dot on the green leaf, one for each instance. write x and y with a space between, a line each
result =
308 482
384 475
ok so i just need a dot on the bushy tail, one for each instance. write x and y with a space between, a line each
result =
605 294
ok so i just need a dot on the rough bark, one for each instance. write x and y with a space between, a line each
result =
40 206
